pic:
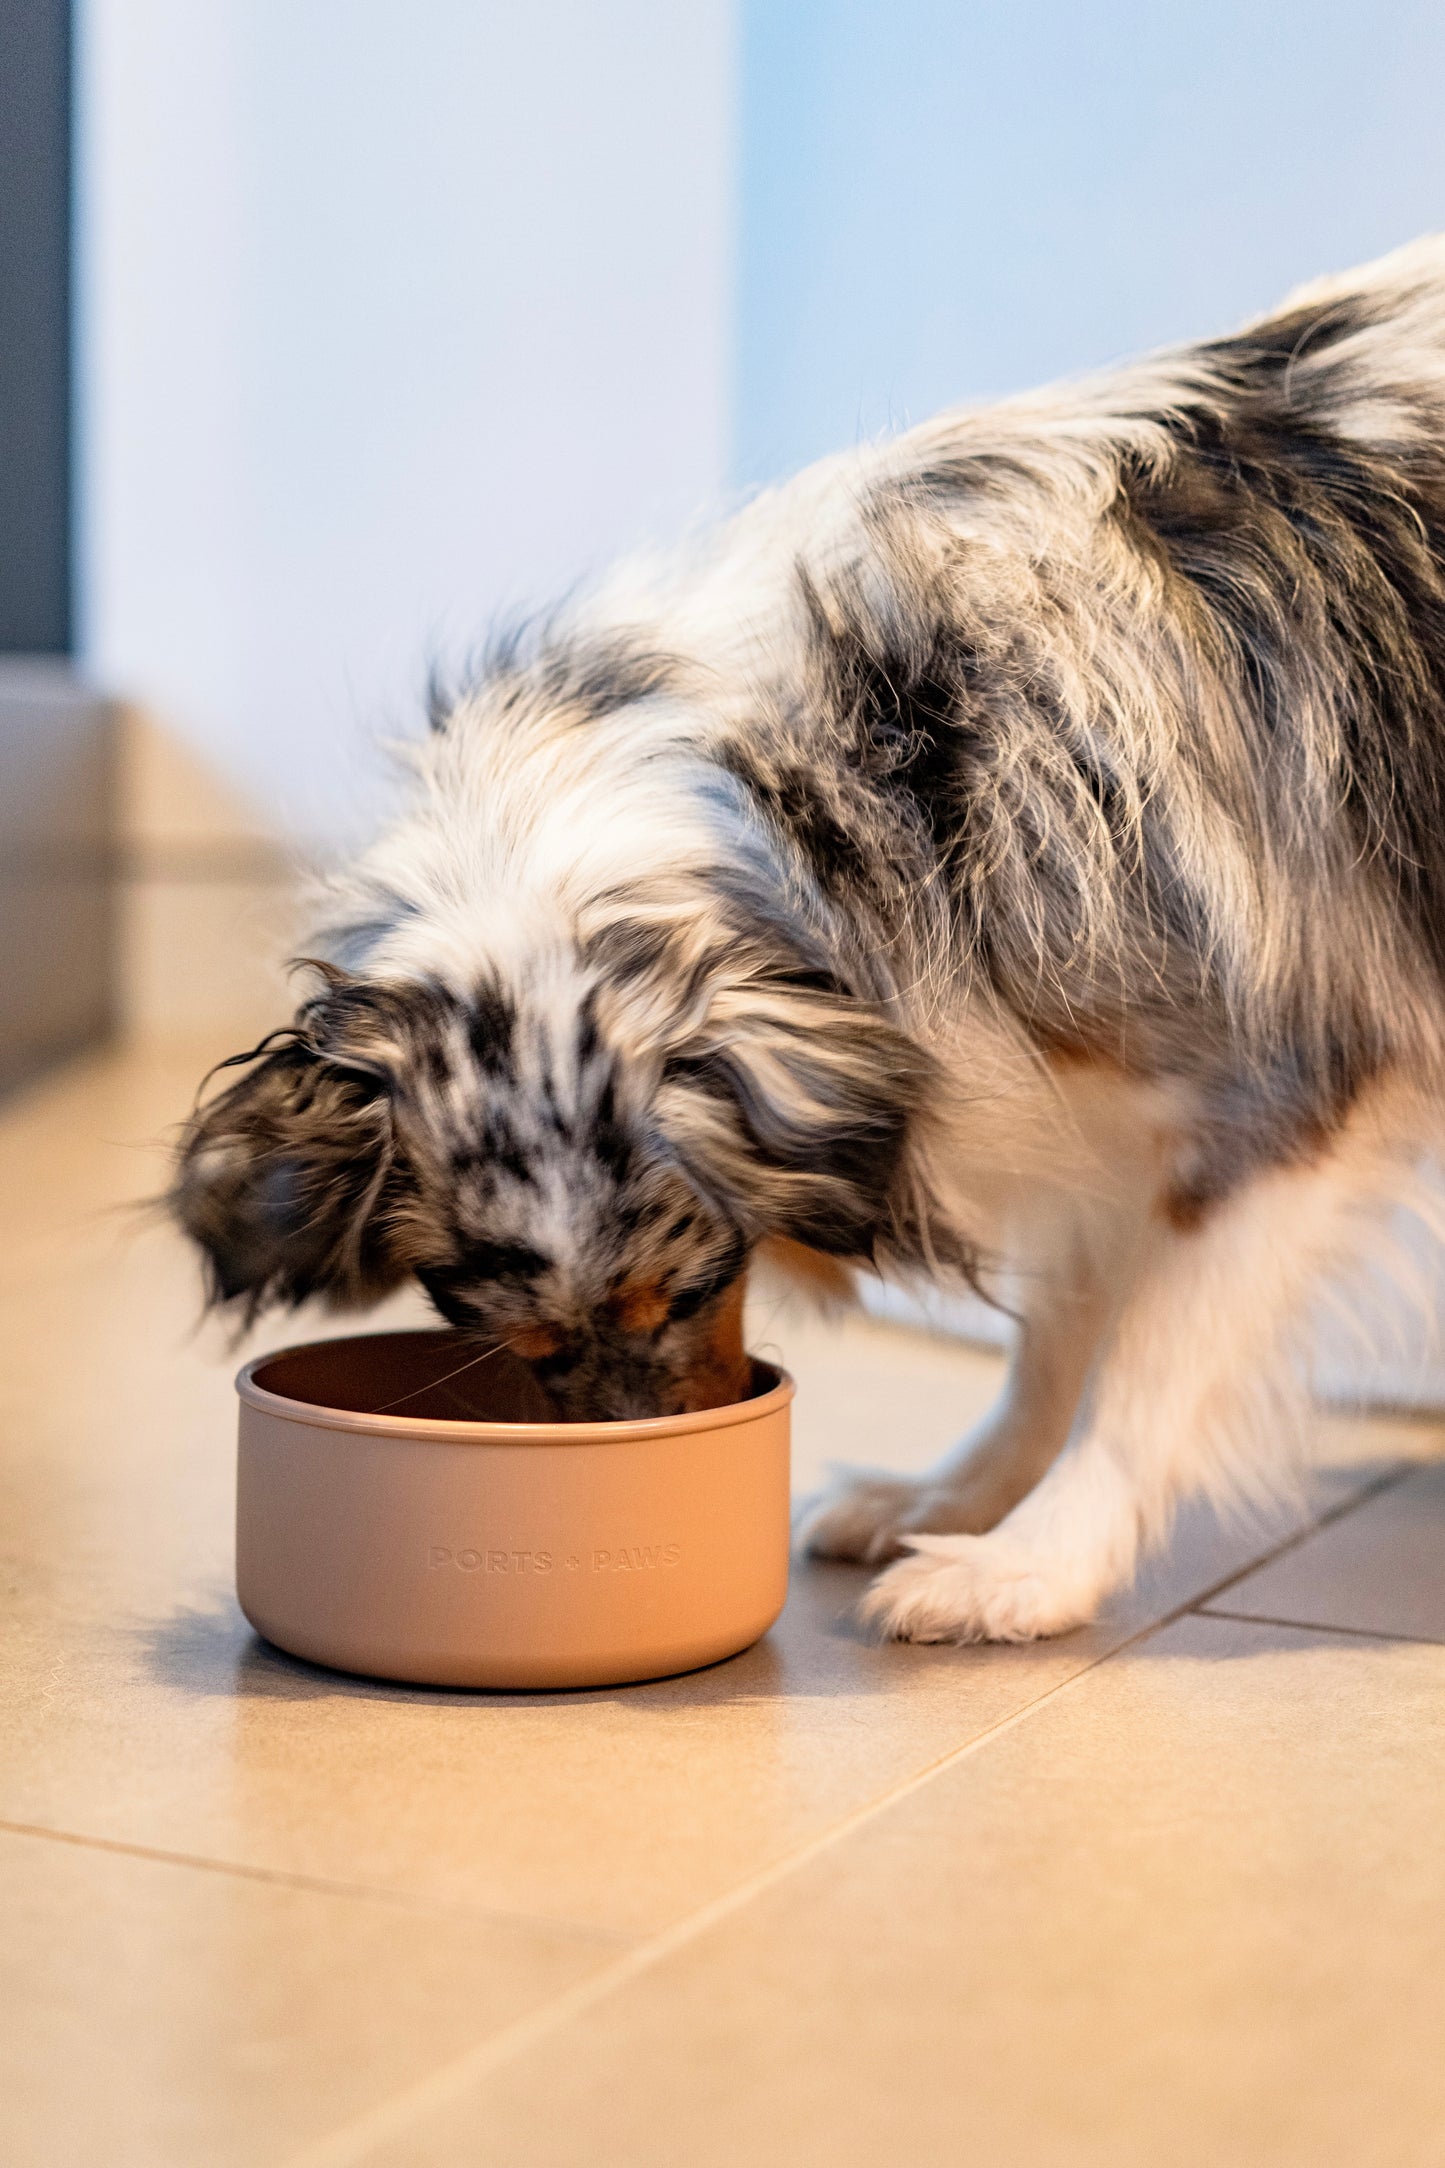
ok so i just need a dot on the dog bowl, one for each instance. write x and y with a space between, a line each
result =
406 1510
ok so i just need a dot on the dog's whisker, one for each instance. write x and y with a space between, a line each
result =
432 1384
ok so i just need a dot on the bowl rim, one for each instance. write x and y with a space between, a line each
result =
448 1430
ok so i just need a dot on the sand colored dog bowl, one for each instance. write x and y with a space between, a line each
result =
401 1511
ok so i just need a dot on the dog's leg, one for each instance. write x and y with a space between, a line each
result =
1195 1391
870 1516
1066 1252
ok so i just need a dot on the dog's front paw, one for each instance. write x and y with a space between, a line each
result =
861 1517
871 1518
974 1588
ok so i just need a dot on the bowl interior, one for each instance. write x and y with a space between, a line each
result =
438 1376
434 1376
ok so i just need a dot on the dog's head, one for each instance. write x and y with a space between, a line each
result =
570 1165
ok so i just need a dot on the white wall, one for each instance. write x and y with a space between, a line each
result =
393 313
950 199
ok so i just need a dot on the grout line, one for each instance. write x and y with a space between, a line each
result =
281 1878
1317 1626
1327 1519
348 2145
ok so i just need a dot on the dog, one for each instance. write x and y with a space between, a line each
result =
1011 855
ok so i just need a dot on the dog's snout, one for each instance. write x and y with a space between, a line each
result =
593 1379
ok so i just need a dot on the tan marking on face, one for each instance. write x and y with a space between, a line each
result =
639 1307
535 1342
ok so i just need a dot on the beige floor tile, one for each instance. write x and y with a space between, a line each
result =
159 2016
138 1707
1378 1569
1189 1912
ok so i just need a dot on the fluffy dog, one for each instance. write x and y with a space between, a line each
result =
1012 853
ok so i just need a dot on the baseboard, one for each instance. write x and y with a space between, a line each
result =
58 991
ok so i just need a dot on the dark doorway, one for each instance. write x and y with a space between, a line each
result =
35 553
56 848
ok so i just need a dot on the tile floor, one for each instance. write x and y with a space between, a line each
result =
1171 1890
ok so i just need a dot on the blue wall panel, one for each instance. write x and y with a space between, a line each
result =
944 201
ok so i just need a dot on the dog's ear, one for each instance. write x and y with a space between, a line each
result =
290 1180
792 1105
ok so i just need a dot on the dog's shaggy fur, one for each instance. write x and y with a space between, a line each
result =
1013 852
